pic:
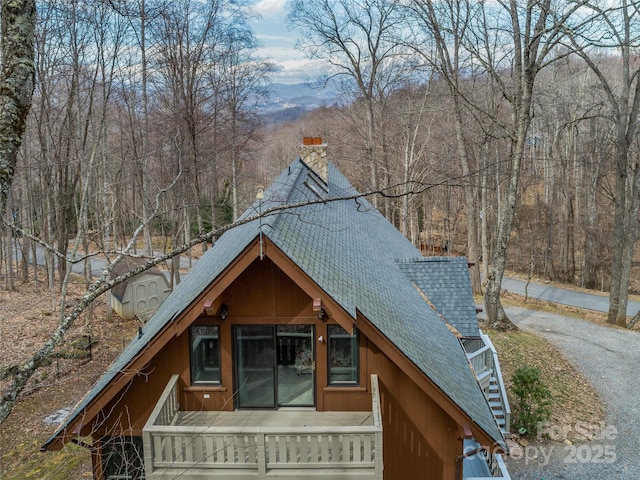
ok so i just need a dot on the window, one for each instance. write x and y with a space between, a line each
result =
343 356
205 354
122 458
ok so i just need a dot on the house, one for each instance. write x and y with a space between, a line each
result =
140 295
297 346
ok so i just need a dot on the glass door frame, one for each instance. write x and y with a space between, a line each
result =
297 363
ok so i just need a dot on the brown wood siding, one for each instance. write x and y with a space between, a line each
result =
264 291
419 437
129 411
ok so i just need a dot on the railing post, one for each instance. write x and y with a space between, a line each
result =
261 454
163 413
148 455
377 421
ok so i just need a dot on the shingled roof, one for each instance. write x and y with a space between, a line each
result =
447 284
351 251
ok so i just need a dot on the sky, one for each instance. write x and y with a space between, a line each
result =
278 43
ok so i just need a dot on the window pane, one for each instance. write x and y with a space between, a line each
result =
343 356
296 365
205 354
255 357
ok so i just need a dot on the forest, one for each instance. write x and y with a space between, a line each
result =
503 131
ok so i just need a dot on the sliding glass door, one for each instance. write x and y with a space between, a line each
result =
275 366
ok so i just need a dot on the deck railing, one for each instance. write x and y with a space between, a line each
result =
482 363
250 451
168 406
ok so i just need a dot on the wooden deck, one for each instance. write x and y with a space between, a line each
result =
250 444
280 419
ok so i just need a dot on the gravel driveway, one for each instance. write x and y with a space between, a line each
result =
609 358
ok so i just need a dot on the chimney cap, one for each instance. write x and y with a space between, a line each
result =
312 141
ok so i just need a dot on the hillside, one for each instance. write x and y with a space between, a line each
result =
29 315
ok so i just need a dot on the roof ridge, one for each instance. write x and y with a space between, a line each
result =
273 195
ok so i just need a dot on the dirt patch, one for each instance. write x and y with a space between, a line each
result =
27 318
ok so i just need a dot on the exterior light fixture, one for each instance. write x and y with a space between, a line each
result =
224 311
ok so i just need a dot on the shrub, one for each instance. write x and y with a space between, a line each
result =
533 400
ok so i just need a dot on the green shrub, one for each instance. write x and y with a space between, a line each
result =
533 401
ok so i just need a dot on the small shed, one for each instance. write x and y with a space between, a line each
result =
140 295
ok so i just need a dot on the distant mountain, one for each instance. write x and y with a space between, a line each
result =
290 101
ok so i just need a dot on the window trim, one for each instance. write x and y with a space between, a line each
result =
192 366
355 383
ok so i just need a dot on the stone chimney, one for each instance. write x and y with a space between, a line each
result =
314 154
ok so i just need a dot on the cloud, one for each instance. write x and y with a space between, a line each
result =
298 71
275 38
269 8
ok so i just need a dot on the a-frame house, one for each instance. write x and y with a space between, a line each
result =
296 346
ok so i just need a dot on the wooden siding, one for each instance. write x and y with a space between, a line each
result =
129 411
419 437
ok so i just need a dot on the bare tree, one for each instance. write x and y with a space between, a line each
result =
522 38
615 30
446 24
239 80
358 41
411 140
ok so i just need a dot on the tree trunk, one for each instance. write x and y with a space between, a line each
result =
495 312
16 83
619 230
628 250
484 211
470 198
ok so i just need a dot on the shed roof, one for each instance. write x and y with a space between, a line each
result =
126 264
351 251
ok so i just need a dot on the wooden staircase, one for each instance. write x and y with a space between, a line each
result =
486 366
496 404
